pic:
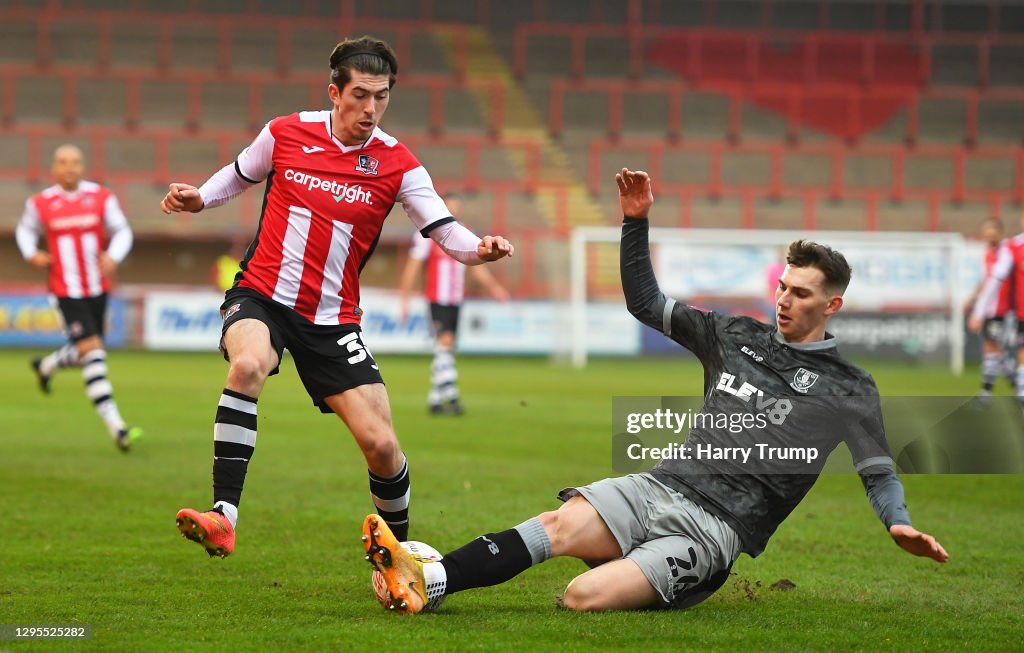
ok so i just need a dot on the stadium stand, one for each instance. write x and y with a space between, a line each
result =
894 120
760 113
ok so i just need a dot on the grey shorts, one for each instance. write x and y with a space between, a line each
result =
685 552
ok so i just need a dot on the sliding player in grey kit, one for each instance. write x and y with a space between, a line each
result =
669 537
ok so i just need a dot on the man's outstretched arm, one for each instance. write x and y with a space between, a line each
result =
250 168
861 414
692 328
644 299
920 544
885 492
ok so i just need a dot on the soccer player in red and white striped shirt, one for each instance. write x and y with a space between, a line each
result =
445 289
331 177
1008 268
997 354
77 217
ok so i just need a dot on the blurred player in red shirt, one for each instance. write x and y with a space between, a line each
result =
997 296
87 236
444 289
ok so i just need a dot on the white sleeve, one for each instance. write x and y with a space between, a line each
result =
421 202
225 184
256 161
28 230
458 242
120 233
420 249
1002 268
251 167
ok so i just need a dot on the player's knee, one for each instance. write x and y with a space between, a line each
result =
381 450
584 595
246 371
88 345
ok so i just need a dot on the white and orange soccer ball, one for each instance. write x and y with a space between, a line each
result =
422 552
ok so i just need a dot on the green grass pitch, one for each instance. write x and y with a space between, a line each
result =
88 534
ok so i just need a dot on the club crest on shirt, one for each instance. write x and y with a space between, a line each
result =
367 164
803 380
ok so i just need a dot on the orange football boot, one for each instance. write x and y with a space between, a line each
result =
211 529
402 572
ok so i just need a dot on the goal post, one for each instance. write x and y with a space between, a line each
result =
916 275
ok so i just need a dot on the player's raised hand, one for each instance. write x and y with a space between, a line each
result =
182 197
914 541
635 194
492 248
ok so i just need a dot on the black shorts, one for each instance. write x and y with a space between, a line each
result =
83 317
444 317
994 330
330 359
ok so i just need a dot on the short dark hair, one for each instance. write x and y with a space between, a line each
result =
368 55
805 253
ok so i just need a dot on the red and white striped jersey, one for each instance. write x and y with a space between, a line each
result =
445 278
1006 271
324 207
76 225
1003 302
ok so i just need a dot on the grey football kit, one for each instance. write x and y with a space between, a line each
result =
685 522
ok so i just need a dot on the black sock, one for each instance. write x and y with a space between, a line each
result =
488 560
234 442
391 499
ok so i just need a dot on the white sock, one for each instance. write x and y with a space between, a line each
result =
111 416
990 363
100 391
66 356
436 578
230 511
443 377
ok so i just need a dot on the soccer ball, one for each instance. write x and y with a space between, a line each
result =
422 552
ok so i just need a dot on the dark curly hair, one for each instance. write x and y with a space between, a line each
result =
805 253
368 55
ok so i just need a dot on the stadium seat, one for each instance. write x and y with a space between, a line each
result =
762 105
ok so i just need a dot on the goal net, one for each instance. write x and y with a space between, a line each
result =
905 301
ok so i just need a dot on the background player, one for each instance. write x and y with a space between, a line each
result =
332 177
669 537
444 289
87 236
225 267
1006 272
997 353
